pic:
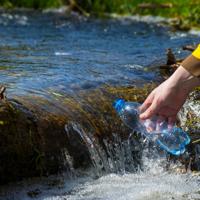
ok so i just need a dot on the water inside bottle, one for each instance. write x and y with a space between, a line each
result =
171 139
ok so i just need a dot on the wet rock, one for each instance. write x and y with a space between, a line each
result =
40 137
189 121
170 57
167 67
189 47
30 145
179 24
34 193
2 92
196 163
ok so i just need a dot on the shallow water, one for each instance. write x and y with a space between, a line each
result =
41 53
45 53
138 187
153 183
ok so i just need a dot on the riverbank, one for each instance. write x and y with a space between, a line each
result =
186 13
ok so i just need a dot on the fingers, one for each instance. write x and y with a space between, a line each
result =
159 122
171 122
150 111
146 103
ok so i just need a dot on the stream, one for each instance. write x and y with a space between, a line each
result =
51 55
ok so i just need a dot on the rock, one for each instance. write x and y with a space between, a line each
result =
27 145
189 121
34 193
39 137
166 69
170 57
179 24
189 47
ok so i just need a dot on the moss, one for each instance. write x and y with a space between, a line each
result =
33 134
36 133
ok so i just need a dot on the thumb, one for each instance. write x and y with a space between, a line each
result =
152 110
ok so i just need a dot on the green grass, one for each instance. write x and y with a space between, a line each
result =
186 10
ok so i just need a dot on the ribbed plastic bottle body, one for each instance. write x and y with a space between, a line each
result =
171 139
130 116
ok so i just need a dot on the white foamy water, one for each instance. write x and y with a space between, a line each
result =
6 18
154 183
62 53
138 187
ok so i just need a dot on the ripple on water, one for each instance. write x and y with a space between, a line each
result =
49 45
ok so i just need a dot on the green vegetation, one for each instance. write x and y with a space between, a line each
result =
187 11
179 7
36 4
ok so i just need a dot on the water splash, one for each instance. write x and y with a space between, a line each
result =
141 186
109 155
153 182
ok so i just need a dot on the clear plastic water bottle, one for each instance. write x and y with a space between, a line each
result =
171 139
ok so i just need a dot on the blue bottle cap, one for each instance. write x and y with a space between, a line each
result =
118 104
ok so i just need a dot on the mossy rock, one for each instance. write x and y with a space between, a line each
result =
42 137
37 136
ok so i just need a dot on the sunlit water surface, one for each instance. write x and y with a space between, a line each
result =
41 53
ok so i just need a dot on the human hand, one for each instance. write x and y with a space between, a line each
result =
167 99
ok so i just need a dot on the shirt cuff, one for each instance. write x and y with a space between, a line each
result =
192 62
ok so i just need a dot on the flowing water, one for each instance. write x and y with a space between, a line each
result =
53 53
154 182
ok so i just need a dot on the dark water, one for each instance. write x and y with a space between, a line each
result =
41 53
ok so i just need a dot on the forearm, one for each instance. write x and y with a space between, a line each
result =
187 76
167 99
183 79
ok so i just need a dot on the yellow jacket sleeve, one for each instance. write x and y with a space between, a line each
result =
192 62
